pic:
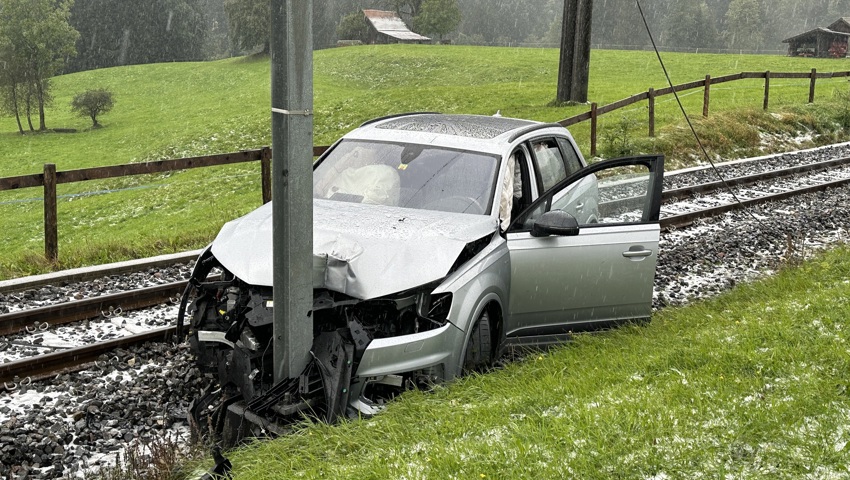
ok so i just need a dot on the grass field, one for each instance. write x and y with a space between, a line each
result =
186 109
752 384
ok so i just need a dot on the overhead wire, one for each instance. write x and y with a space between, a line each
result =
688 118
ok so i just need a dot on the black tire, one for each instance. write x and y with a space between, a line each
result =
478 356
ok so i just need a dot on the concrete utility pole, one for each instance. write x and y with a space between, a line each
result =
574 69
292 184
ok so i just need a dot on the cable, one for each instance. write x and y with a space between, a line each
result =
688 119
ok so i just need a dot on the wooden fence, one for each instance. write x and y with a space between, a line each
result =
50 178
651 95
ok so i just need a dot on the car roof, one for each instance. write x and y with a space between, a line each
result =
468 132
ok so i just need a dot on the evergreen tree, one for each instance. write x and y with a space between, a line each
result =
117 32
250 23
744 24
439 17
353 27
690 25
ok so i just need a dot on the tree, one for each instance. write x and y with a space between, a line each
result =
438 17
92 103
692 25
36 39
618 22
11 84
117 32
406 9
250 23
352 27
744 20
163 31
506 22
217 30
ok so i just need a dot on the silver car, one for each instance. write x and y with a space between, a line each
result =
439 241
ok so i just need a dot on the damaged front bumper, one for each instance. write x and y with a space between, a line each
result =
386 356
364 352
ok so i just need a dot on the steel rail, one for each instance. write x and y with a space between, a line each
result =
691 190
685 219
97 271
46 365
88 308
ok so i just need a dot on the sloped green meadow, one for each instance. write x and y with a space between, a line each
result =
186 109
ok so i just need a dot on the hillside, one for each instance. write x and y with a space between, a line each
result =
184 109
172 109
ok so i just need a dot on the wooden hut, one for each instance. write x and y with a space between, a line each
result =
388 27
822 42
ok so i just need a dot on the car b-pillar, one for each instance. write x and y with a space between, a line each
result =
292 183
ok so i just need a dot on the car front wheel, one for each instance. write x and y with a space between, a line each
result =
479 349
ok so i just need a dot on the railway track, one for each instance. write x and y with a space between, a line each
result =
44 318
68 359
681 207
89 273
24 371
62 313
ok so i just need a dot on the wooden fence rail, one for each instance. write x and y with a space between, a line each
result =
50 178
651 95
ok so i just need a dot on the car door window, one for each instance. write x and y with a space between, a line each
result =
623 194
571 157
613 192
549 162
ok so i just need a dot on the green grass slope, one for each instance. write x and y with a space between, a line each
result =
752 384
185 109
195 108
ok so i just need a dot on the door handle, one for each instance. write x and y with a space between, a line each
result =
637 253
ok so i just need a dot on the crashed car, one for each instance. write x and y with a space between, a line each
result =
439 241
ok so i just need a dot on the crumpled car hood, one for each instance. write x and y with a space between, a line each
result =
365 251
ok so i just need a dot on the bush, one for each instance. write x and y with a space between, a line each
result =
618 140
92 103
353 27
842 116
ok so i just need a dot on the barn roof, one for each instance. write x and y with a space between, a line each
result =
815 32
841 22
390 24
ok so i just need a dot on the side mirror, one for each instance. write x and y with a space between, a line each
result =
555 222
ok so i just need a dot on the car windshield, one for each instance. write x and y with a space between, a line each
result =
407 175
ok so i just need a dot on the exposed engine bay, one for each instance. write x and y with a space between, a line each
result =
229 325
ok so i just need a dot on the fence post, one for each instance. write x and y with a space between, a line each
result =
812 85
51 235
706 96
766 89
266 173
593 120
651 96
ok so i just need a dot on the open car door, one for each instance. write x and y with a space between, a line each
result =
585 252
